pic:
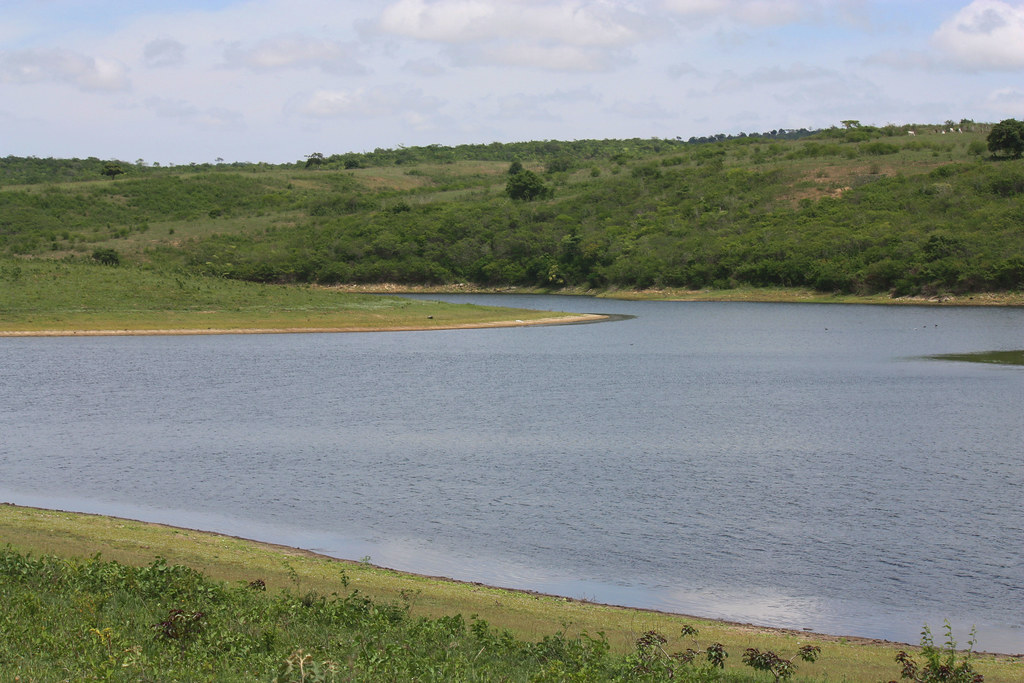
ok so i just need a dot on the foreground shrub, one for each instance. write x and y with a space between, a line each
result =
941 664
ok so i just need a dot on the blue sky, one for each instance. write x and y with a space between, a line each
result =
274 80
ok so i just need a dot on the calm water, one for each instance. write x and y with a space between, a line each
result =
793 465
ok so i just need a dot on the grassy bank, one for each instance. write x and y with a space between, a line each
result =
48 295
529 617
748 294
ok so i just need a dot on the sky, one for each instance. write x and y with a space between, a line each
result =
275 80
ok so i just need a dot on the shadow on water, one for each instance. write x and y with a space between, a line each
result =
608 318
995 357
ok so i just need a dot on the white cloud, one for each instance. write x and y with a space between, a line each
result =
57 65
789 74
651 109
545 57
377 101
542 106
902 60
570 22
218 118
682 69
163 52
454 21
987 34
774 78
295 51
1008 102
754 12
424 66
556 35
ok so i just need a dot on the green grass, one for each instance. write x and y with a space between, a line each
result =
53 629
47 295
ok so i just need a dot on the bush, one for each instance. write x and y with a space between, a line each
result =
108 257
941 665
527 186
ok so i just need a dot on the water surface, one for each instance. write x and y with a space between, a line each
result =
805 466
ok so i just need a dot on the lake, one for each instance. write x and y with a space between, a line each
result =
803 466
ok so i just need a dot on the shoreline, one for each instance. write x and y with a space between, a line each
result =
561 320
303 552
750 295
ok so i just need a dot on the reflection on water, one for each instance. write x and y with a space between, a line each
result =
800 466
997 357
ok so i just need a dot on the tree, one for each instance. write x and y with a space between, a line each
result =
1007 137
314 159
527 185
515 167
112 169
850 123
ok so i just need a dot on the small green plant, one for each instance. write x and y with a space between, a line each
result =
180 625
941 664
782 669
651 659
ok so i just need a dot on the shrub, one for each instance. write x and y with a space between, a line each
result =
941 665
782 669
108 257
527 186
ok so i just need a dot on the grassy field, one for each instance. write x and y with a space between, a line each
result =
530 617
57 296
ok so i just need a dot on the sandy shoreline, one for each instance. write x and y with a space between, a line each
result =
562 320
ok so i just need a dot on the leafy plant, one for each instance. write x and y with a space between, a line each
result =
941 664
782 669
651 659
180 625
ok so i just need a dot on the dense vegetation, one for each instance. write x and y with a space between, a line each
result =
75 619
858 209
102 620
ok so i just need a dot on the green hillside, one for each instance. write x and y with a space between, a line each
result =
859 210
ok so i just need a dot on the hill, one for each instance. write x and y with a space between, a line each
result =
858 210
